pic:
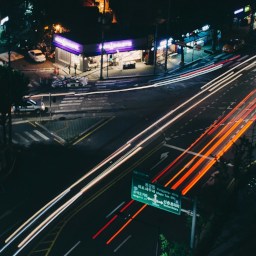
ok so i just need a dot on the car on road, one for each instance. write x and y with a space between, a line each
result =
67 82
37 55
233 45
29 106
129 65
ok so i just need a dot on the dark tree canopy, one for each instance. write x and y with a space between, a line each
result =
13 86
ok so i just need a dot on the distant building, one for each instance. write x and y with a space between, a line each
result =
103 6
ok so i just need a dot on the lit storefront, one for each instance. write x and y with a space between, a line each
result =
195 40
2 24
243 16
86 56
199 37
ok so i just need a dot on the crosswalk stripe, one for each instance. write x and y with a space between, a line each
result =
41 135
70 104
14 141
22 138
31 136
70 101
73 98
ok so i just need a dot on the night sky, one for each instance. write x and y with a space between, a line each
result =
138 14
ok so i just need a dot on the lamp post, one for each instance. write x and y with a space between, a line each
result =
158 21
155 47
167 32
102 20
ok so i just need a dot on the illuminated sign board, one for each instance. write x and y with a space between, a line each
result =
206 27
247 8
155 195
110 47
162 43
67 44
238 11
2 21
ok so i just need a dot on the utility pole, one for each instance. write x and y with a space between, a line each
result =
167 35
102 40
193 227
155 47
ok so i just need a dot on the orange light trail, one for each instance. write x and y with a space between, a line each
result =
198 177
126 224
105 226
231 112
210 164
182 154
206 154
188 187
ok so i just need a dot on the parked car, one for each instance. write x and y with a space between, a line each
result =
37 55
233 45
29 106
72 81
129 64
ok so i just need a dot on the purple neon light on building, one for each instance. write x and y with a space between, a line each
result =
111 47
67 44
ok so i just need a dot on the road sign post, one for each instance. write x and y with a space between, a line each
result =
155 195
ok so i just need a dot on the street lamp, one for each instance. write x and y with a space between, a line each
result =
167 32
158 21
102 21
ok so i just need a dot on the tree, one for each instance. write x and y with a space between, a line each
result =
13 86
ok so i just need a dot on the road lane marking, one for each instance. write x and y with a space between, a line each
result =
67 253
70 104
21 137
91 132
125 240
31 124
189 152
14 141
41 135
5 214
115 209
31 136
73 98
70 101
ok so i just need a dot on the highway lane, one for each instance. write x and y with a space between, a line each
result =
246 87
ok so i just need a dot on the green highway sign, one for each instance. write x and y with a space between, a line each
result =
155 195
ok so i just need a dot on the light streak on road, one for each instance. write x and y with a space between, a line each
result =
223 80
200 70
105 161
105 226
218 77
192 169
115 165
181 155
212 162
200 174
223 131
46 222
181 114
163 83
32 219
182 105
57 212
128 155
226 133
223 120
126 224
